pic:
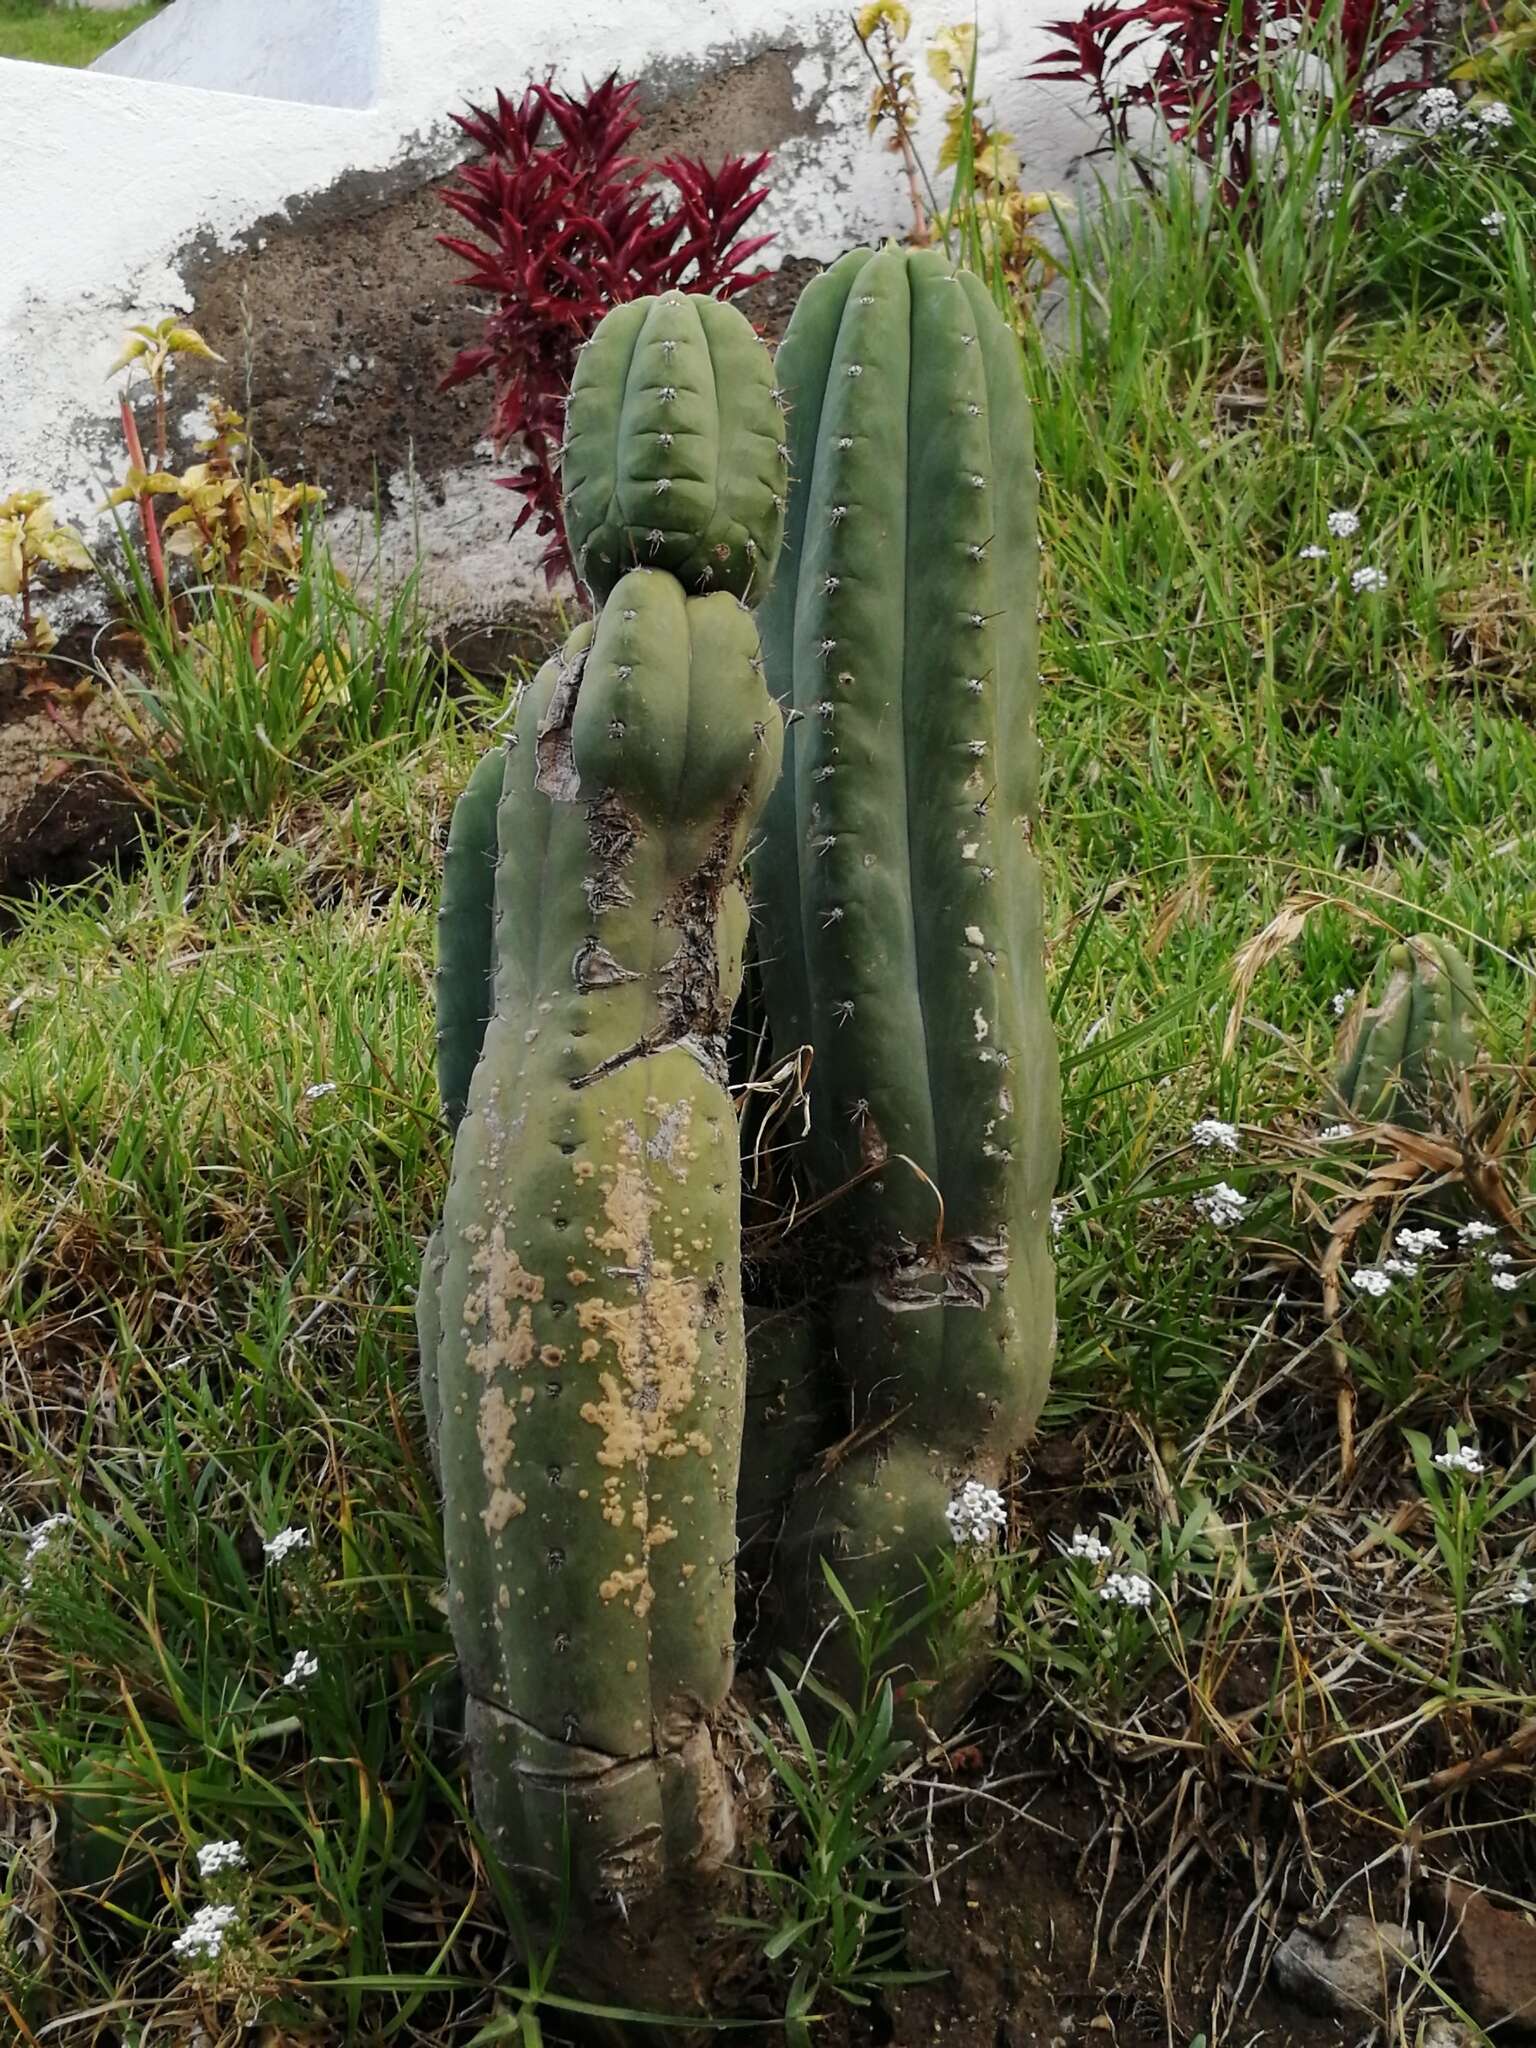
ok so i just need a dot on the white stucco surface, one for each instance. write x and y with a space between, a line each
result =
279 49
221 112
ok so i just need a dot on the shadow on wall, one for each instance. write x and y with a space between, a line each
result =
279 50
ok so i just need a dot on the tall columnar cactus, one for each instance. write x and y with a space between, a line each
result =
580 1308
1416 1040
900 900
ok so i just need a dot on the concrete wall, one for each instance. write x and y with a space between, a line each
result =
264 168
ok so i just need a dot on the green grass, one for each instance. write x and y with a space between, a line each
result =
219 1153
74 36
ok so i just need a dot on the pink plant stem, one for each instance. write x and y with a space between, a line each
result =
146 505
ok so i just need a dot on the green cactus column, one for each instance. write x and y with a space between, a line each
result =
583 1292
900 899
1416 1041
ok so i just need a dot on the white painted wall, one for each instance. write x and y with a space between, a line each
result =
223 111
325 53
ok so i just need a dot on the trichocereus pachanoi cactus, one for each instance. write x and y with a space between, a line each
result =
899 897
580 1308
1402 1055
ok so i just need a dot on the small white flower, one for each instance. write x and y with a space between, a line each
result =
1506 1283
1343 524
1092 1549
1477 1233
1343 999
1335 1133
1382 146
40 1539
1495 115
1499 1259
975 1512
1399 201
1222 1205
1463 1458
1127 1589
1522 1592
305 1666
1493 221
1401 1269
316 1089
284 1544
1371 1280
1439 109
1313 554
215 1858
202 1939
1211 1134
1416 1243
1368 579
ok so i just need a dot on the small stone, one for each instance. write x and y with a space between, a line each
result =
1492 1957
1353 1972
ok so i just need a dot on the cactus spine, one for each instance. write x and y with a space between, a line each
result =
583 1292
900 897
1415 1041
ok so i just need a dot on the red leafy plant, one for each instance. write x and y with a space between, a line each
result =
569 225
1217 71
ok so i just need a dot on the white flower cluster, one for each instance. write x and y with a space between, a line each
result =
317 1089
1439 110
1372 1280
1461 1458
1335 1133
214 1859
1368 578
1493 220
975 1512
282 1546
203 1938
1343 525
1522 1592
1060 1212
39 1540
1090 1548
1212 1135
1342 1000
1127 1589
1477 1232
1222 1205
1382 146
1418 1244
305 1666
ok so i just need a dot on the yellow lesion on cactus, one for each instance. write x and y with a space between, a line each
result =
636 1580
